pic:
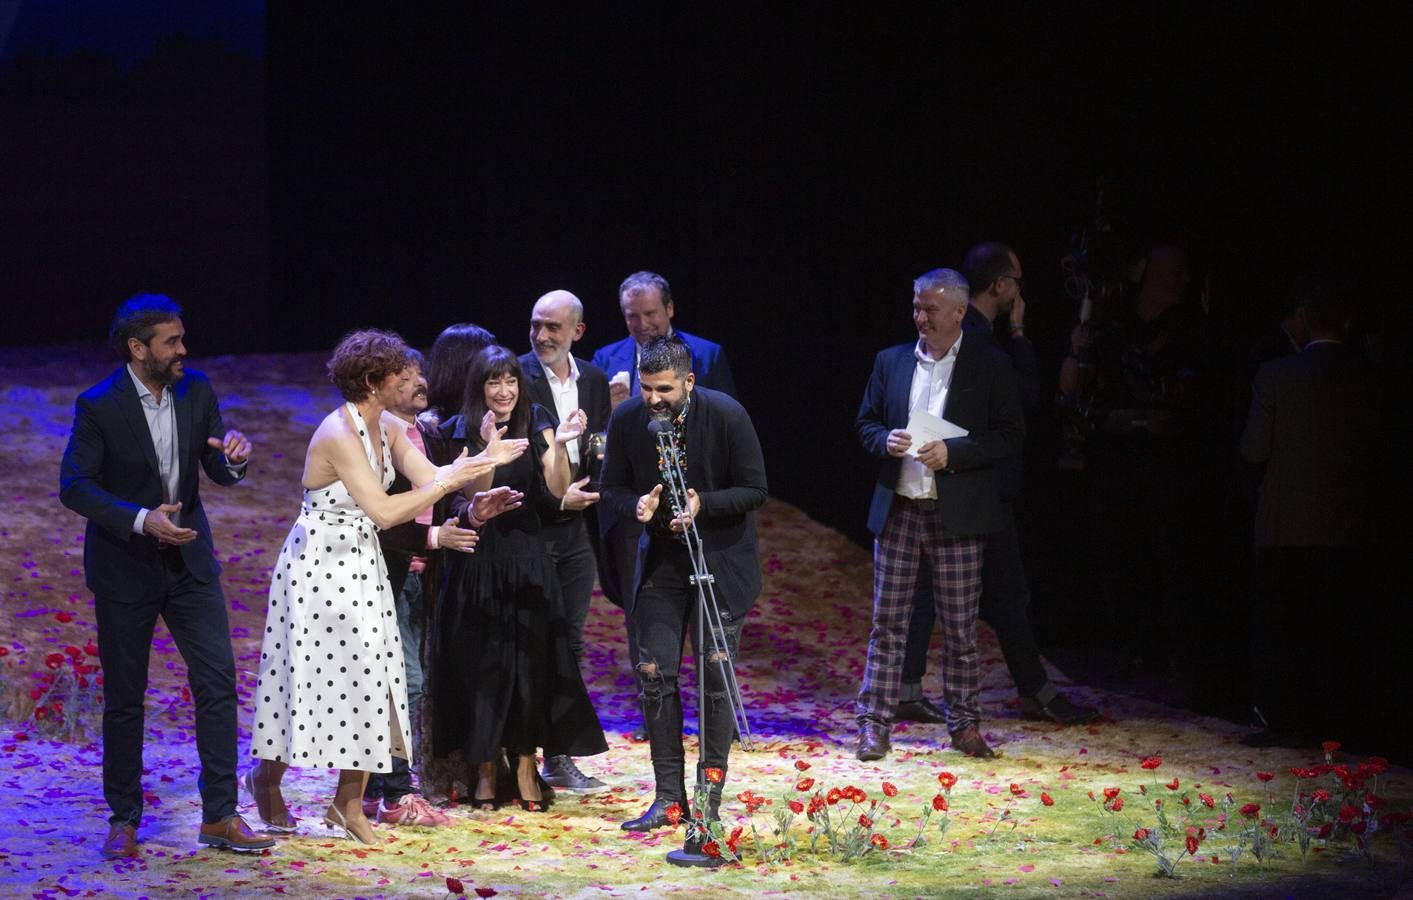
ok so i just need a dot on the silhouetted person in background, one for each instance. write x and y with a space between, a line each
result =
1314 423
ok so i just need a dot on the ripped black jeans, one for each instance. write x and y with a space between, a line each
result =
664 612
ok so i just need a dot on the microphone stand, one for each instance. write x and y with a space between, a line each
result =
708 623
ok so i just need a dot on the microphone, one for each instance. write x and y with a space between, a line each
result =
657 426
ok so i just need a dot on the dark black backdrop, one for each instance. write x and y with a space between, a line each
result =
789 167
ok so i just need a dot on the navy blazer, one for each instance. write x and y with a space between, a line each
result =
725 467
708 362
983 398
110 471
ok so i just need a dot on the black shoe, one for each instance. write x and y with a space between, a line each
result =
560 772
654 817
919 710
873 742
638 735
1059 709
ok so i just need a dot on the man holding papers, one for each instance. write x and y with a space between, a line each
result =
934 501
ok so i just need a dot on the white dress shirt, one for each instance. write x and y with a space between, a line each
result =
566 400
931 380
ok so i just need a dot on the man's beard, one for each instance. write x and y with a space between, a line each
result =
668 411
163 374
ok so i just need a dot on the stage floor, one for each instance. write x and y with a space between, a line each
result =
801 661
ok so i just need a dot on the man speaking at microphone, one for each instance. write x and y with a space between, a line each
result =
724 470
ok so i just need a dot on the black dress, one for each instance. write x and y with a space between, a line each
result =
505 675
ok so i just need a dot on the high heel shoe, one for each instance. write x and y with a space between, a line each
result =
530 805
334 818
485 804
290 824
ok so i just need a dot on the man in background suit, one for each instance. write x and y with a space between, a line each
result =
562 383
993 272
1314 423
130 468
936 503
725 475
645 299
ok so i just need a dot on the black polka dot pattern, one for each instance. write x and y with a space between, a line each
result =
326 656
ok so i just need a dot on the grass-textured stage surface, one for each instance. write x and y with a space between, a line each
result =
800 665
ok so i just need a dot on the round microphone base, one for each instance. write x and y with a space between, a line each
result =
685 857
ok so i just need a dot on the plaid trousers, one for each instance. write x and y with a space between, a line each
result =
911 534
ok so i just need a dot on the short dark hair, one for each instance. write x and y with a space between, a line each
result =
985 263
1328 309
138 317
415 358
364 357
493 362
641 281
666 353
449 361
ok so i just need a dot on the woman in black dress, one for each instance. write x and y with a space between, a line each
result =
507 679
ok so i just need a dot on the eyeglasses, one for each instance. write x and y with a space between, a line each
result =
1019 280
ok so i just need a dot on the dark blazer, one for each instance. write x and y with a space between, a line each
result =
1010 474
109 472
983 398
708 362
726 469
593 399
403 541
1314 422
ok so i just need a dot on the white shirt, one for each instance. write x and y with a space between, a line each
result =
931 380
162 425
566 400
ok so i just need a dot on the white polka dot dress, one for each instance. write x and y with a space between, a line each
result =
332 691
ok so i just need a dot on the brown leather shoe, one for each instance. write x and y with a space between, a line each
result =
970 742
233 834
873 742
121 842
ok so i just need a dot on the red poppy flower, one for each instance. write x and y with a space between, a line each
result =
1192 844
816 804
1172 785
54 660
1265 776
834 796
41 712
1321 794
865 821
1141 834
673 813
1117 804
714 775
1046 799
1017 790
1346 813
90 648
454 886
1251 810
67 616
712 849
1374 765
947 780
939 803
4 651
486 892
1328 746
1110 793
890 789
1151 762
879 841
796 807
801 765
804 784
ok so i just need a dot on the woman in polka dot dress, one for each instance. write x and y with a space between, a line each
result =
332 690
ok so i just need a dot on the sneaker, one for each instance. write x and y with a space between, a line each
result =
413 809
560 772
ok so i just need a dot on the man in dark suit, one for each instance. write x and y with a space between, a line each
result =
561 383
936 500
131 469
993 272
1314 424
725 475
645 299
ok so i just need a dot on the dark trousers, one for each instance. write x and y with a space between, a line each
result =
665 610
1005 594
411 616
573 556
195 614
